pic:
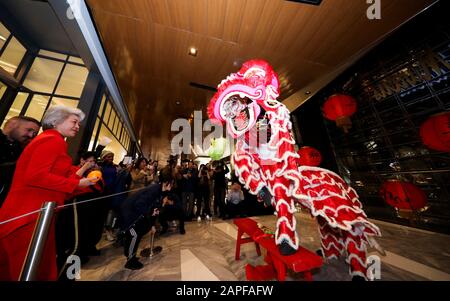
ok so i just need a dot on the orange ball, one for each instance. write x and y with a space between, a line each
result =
95 173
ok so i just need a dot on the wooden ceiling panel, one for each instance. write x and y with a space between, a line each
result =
253 10
266 22
177 11
147 44
159 12
198 17
215 18
234 19
278 31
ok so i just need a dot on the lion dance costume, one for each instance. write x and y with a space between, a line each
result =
266 163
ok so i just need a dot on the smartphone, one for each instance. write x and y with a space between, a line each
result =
127 160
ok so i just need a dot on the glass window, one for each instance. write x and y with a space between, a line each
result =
73 103
127 141
114 146
124 138
107 112
77 60
3 88
120 129
113 127
4 34
94 133
12 56
43 75
111 119
72 81
52 54
37 106
116 127
119 132
102 104
17 106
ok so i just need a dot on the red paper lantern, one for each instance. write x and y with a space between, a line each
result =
340 108
435 132
309 156
403 195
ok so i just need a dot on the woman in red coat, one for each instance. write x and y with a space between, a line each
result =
43 174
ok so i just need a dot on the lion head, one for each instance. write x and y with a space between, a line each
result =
244 97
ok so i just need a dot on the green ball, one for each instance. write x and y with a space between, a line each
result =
217 148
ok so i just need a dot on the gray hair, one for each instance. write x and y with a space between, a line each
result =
58 114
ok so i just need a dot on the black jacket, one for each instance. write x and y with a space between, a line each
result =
9 153
141 203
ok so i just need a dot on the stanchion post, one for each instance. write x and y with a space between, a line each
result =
151 244
37 244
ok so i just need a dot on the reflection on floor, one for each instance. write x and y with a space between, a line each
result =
206 252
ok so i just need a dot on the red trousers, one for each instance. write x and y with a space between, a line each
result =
13 249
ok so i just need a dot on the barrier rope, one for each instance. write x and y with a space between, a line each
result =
20 216
72 204
75 247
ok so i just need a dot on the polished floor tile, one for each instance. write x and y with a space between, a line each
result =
206 252
192 268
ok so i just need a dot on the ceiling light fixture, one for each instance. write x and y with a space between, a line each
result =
193 51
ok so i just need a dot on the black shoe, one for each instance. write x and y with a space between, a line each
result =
134 264
285 249
358 278
163 231
182 231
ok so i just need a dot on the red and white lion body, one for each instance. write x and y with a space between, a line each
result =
242 101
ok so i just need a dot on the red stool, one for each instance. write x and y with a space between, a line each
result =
249 227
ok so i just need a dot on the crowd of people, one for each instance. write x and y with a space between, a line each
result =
124 202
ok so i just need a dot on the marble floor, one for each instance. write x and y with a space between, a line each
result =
206 253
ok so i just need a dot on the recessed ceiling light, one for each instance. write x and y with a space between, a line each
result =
308 92
177 103
193 51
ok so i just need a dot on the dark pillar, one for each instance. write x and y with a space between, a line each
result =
89 103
